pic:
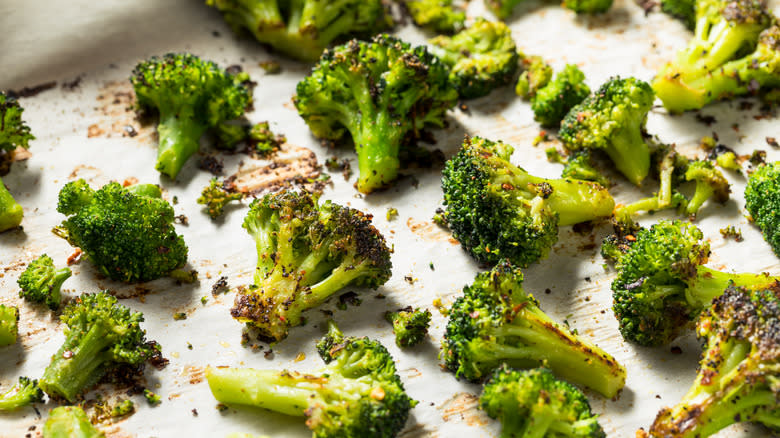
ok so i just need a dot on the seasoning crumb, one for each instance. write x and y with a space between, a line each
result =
220 287
178 316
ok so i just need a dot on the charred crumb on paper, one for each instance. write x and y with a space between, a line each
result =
32 90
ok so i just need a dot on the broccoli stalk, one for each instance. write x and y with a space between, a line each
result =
215 197
24 393
14 133
762 201
69 422
410 326
41 282
100 334
9 325
496 321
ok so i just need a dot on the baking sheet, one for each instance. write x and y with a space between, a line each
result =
90 48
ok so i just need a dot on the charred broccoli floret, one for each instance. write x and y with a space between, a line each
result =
303 29
535 73
497 322
481 58
14 133
215 197
101 334
410 326
436 15
69 422
552 102
762 201
9 325
357 394
258 138
379 93
612 120
662 285
726 56
190 95
127 232
307 251
41 282
738 375
24 393
497 210
533 403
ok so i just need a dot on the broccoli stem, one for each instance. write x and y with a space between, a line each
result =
377 146
179 140
710 283
538 426
630 153
270 389
147 190
11 212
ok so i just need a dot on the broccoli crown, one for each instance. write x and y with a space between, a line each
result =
307 251
41 282
588 6
535 74
612 120
579 165
101 334
14 132
533 403
684 10
358 393
410 326
710 184
497 210
502 8
303 29
496 322
24 393
9 325
552 102
481 58
738 376
436 15
126 233
215 197
69 422
762 201
380 92
191 95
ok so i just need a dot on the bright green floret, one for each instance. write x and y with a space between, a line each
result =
552 102
728 56
215 197
24 393
739 371
307 251
410 326
357 394
683 10
125 407
497 210
152 398
69 422
535 74
496 322
436 15
127 232
662 285
101 334
380 93
9 325
534 404
612 120
481 58
579 165
190 95
304 28
14 133
41 282
762 201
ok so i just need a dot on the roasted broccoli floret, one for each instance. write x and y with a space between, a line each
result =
215 197
535 74
410 326
307 251
718 63
101 334
710 184
683 10
69 422
503 8
612 120
436 15
579 165
127 232
379 93
41 282
497 210
258 138
496 322
24 393
552 102
662 285
14 133
533 403
9 325
357 394
481 58
190 95
762 201
303 29
738 375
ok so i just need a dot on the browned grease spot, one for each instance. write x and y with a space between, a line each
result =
115 102
465 406
89 173
194 374
290 166
429 231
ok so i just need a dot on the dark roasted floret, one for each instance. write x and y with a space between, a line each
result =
215 197
24 393
41 282
762 201
410 326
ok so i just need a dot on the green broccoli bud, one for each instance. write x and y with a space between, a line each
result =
579 165
436 15
24 393
41 282
762 201
14 133
552 102
152 398
683 10
126 407
535 74
215 197
710 184
9 325
728 160
410 326
69 422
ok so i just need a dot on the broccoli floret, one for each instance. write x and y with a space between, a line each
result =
535 74
41 282
502 8
126 407
436 15
14 133
662 285
496 322
683 10
737 380
357 394
377 92
100 335
410 326
215 197
307 251
552 102
482 57
718 63
303 29
127 232
69 422
497 210
762 201
24 393
579 165
612 120
9 325
533 403
710 184
190 95
263 140
258 138
588 6
152 398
